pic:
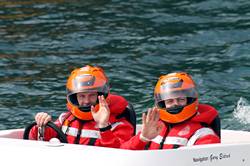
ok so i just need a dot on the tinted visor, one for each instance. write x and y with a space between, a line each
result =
88 83
189 93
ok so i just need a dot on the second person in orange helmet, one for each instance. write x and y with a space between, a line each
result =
93 116
177 118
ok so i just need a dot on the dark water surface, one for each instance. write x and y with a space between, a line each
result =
41 41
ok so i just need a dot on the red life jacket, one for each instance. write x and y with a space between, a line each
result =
86 132
187 133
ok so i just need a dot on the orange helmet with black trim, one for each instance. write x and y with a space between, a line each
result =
172 86
86 79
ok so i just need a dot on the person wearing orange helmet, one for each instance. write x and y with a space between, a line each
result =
177 118
93 112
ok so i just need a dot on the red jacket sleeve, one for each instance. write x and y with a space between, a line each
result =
208 139
117 135
48 133
135 143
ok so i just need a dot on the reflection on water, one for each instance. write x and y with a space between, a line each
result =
134 41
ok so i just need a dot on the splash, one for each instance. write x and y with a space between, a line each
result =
242 111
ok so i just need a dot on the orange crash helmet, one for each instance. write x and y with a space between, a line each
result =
86 79
172 86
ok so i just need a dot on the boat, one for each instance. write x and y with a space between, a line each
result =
233 150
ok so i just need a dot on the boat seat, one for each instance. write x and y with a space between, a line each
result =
215 125
130 115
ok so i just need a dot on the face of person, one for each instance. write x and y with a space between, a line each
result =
87 98
180 101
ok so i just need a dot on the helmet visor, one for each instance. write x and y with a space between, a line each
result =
88 83
192 93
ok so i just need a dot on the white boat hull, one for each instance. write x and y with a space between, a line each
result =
233 151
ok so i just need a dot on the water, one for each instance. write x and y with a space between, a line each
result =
134 41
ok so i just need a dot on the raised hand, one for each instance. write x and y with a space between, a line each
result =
42 118
150 125
101 116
